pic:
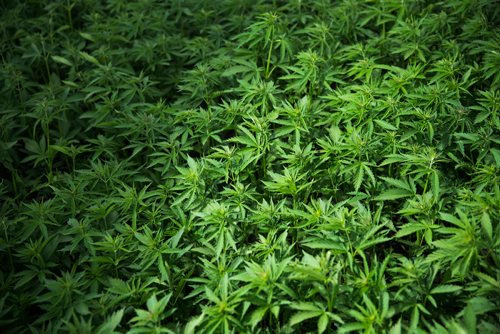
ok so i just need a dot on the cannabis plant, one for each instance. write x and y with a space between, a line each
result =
237 166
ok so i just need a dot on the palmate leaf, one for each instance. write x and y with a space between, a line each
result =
298 79
287 183
111 323
247 67
357 171
460 250
248 139
308 311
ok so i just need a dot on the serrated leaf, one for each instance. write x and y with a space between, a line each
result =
303 316
446 288
486 225
62 60
257 315
392 194
385 125
324 244
89 58
409 229
87 36
109 326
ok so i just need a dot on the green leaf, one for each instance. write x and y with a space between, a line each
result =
435 184
303 316
323 323
392 194
110 324
89 58
486 225
385 125
324 244
409 229
351 327
446 288
451 219
396 329
62 60
359 178
257 316
193 323
87 36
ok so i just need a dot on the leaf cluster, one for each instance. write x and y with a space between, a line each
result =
237 166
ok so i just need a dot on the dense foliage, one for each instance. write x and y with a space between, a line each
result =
241 166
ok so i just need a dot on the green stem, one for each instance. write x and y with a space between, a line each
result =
296 230
14 183
11 262
50 158
46 61
73 206
264 106
47 68
134 218
68 10
264 165
269 59
425 186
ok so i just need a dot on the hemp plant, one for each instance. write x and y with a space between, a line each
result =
237 166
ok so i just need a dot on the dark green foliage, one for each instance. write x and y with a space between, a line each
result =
240 166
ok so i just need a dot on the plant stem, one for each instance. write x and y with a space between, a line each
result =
68 10
269 59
